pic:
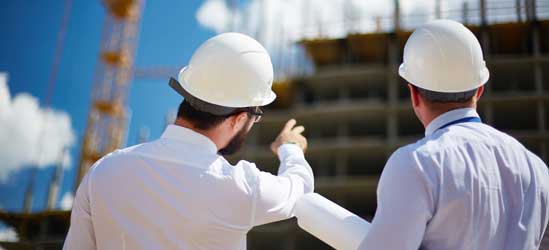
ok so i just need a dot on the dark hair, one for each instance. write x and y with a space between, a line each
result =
203 120
440 97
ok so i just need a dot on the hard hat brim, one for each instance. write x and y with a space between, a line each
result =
262 100
484 77
270 99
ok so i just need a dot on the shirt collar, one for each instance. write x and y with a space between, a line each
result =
182 134
448 117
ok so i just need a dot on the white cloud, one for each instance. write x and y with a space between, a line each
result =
66 201
8 234
31 136
215 15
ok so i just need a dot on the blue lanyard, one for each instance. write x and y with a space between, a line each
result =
462 120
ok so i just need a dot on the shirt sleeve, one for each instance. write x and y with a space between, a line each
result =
81 235
404 206
275 195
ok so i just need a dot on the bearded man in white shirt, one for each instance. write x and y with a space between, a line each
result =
179 192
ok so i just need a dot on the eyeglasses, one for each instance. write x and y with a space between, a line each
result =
257 112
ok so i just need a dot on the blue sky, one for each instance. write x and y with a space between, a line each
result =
169 35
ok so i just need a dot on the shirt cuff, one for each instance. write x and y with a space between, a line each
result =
288 149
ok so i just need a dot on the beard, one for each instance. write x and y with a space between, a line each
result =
236 142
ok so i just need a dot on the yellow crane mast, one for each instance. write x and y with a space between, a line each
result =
108 115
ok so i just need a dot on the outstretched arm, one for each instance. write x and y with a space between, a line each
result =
404 206
276 195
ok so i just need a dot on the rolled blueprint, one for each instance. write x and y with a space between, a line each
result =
330 222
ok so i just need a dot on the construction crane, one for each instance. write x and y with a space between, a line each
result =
108 116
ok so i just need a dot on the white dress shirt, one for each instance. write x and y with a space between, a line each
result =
466 186
178 193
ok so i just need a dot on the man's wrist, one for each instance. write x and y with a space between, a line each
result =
292 142
287 149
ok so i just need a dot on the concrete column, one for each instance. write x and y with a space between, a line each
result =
343 93
465 13
531 10
488 105
291 239
438 9
392 91
518 10
397 16
483 17
341 165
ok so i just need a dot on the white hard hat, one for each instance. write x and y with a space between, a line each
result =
444 56
228 71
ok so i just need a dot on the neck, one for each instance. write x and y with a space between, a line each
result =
434 112
208 133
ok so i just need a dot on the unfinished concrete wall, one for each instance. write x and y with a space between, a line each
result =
356 110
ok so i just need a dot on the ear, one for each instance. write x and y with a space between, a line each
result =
414 96
480 91
239 121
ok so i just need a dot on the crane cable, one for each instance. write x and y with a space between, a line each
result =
60 44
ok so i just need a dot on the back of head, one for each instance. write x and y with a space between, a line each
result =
444 60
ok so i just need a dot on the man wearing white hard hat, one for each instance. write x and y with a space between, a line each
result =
179 192
465 185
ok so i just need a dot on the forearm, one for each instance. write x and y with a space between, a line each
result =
276 195
294 165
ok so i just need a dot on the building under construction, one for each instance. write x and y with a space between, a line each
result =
356 111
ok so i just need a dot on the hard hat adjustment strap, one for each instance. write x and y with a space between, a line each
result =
200 104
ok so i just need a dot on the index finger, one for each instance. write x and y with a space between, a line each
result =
289 125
